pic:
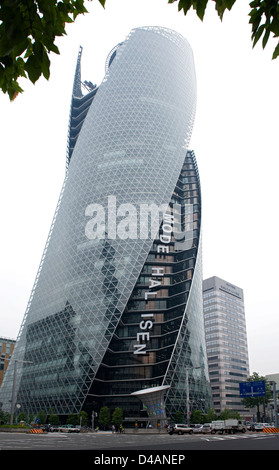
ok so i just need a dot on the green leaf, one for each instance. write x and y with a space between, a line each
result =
33 68
255 3
222 5
255 21
276 52
45 65
201 6
265 38
185 5
258 34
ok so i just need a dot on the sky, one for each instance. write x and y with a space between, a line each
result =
235 139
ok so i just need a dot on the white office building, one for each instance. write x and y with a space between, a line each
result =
226 343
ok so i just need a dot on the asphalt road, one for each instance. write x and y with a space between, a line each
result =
122 444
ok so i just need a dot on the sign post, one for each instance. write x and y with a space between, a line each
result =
252 389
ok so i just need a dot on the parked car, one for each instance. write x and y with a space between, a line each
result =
45 427
197 428
68 428
208 428
54 428
261 426
180 429
250 426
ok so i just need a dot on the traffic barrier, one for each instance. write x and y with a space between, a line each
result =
36 431
270 430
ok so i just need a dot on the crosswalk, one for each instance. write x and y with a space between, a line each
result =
224 437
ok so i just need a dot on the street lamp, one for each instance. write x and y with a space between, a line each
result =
94 415
14 388
187 391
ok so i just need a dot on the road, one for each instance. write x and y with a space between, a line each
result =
122 443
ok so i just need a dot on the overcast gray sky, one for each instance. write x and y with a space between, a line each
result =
235 140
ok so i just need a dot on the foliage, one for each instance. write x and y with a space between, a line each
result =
42 417
83 418
72 419
210 416
22 416
4 417
104 416
178 417
264 16
251 402
117 416
229 414
268 11
197 417
28 29
53 419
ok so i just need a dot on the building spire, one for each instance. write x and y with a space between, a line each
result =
77 80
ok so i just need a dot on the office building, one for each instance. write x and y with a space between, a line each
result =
6 349
116 307
226 343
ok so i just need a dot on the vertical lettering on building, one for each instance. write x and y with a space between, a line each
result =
154 282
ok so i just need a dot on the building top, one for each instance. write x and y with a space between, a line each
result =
216 283
273 378
7 340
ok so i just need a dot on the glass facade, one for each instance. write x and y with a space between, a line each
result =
116 306
226 341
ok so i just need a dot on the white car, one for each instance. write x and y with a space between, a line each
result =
208 429
180 429
68 428
197 428
261 426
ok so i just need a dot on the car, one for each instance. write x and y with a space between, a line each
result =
68 428
45 427
197 428
180 429
261 426
250 426
207 428
54 428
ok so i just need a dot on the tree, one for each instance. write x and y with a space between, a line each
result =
104 416
264 16
229 414
4 417
117 416
196 417
210 416
22 416
255 402
72 419
83 418
53 419
28 29
178 417
42 416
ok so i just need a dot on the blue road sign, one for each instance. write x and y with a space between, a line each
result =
252 389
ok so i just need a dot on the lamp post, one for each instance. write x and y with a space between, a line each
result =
94 415
187 391
14 388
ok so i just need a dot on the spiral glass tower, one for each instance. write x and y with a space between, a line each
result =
116 306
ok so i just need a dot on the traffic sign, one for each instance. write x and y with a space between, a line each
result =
252 389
